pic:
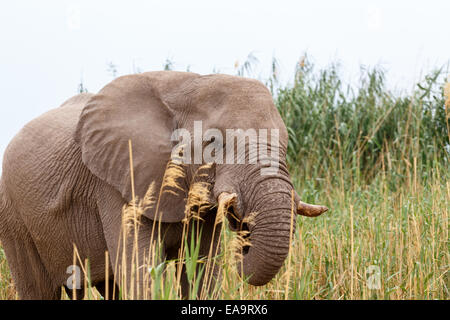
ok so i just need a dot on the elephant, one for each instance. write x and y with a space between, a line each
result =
66 179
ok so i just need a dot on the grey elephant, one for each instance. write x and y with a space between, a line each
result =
66 178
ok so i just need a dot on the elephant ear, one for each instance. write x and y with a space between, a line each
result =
130 108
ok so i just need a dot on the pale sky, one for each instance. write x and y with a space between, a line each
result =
47 47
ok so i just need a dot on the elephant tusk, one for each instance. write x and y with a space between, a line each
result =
310 210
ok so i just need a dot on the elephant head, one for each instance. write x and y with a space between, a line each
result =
148 108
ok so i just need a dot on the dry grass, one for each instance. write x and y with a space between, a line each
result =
7 291
388 191
403 233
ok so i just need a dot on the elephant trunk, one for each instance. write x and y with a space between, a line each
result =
270 231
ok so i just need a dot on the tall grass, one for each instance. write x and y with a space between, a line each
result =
343 127
378 160
381 163
6 285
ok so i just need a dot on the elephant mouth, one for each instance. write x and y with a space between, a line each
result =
241 227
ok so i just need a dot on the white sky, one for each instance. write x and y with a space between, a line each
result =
46 47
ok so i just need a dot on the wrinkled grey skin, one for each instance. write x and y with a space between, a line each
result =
66 177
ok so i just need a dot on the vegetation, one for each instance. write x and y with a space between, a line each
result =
378 160
381 163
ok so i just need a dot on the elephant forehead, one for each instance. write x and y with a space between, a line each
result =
231 102
226 87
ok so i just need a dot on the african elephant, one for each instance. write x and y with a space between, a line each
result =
66 178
